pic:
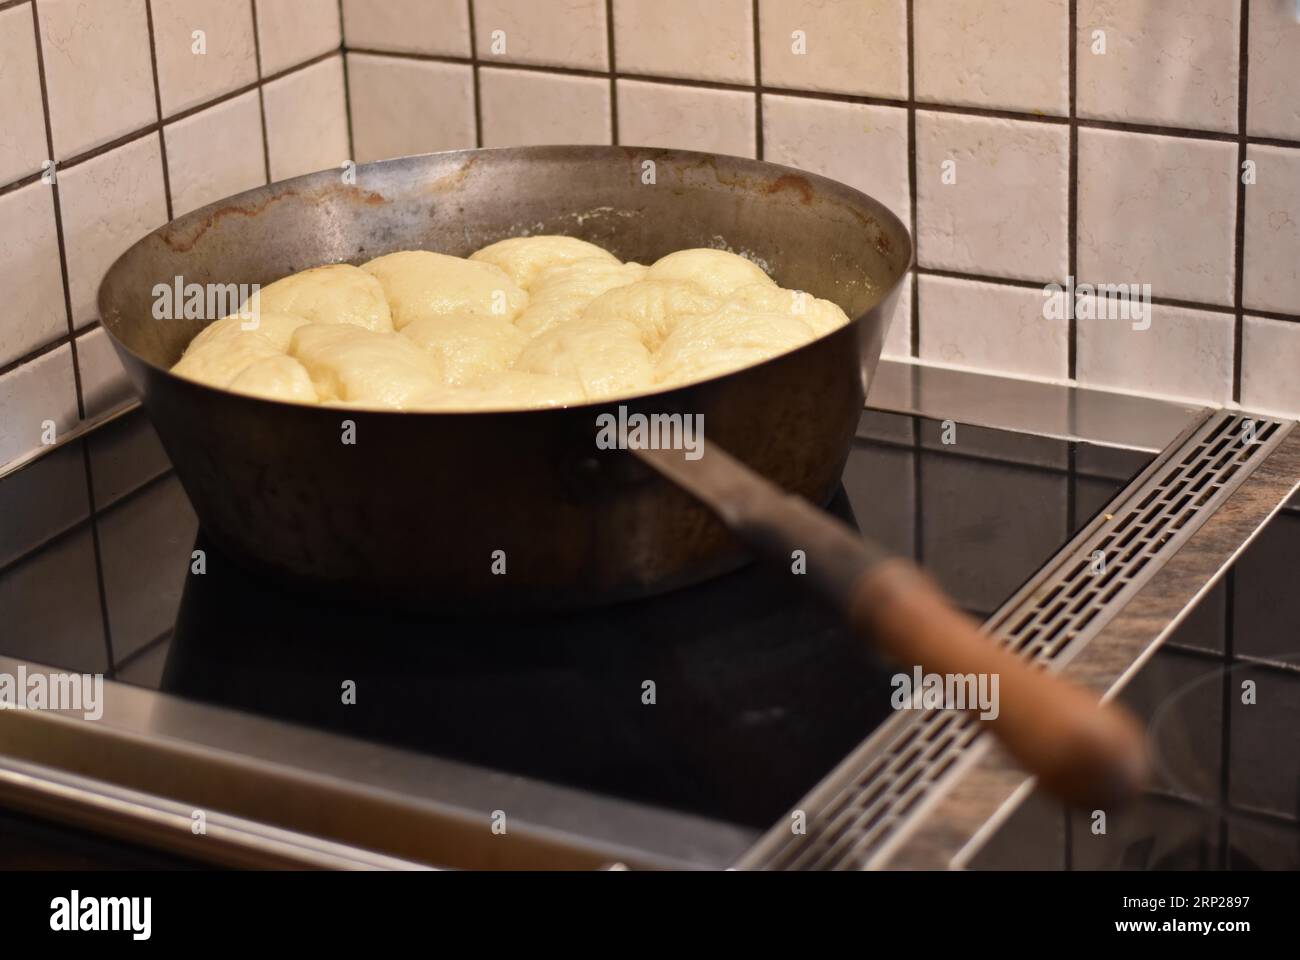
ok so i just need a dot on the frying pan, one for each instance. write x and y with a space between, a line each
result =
422 509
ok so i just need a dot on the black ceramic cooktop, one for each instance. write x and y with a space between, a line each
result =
757 691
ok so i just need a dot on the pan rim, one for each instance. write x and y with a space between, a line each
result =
552 151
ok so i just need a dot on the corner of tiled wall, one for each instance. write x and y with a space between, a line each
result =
1025 142
147 109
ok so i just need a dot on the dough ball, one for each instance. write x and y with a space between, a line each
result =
728 339
604 357
655 306
821 315
468 347
339 293
276 378
562 292
716 272
422 284
523 258
276 327
358 366
221 358
506 390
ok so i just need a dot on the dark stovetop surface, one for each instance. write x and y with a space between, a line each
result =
758 692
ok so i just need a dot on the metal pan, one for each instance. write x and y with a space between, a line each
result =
414 511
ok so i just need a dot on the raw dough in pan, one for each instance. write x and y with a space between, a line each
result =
276 327
338 293
276 378
716 272
523 258
606 357
561 292
358 366
420 284
655 306
468 347
528 322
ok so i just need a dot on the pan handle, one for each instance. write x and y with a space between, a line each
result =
1090 754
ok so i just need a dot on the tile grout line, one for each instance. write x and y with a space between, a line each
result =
1072 189
1239 234
58 218
914 346
157 99
613 73
347 86
98 553
261 92
474 70
756 28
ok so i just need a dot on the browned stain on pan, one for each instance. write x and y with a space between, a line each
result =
791 181
453 180
184 244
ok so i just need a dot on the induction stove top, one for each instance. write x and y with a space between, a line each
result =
721 705
728 700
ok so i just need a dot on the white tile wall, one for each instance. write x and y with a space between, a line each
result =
992 195
195 69
408 26
108 203
523 107
22 133
1172 64
401 107
199 175
43 389
1270 361
685 38
566 33
1008 54
1158 210
991 327
840 46
29 272
1274 106
688 118
1152 139
306 126
860 144
291 31
101 101
1272 239
98 71
1185 354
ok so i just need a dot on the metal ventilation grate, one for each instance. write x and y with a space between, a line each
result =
869 800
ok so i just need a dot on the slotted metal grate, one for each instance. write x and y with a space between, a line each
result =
869 800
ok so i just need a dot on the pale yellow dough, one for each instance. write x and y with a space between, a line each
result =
468 347
338 293
357 366
277 378
420 284
523 258
525 323
716 272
